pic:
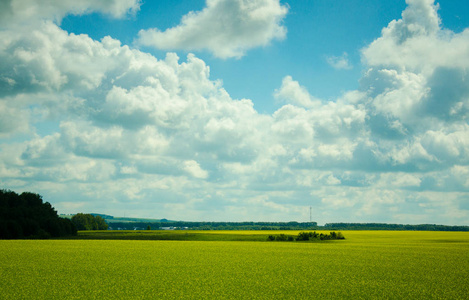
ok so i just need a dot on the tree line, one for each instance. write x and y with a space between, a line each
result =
25 215
385 226
214 225
115 224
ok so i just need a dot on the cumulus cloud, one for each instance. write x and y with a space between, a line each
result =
292 92
226 28
417 43
136 131
416 91
48 59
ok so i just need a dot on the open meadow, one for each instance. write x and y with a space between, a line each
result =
367 264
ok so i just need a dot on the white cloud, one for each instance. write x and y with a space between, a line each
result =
451 146
417 97
28 11
12 119
342 151
397 102
416 43
130 129
48 59
193 168
263 202
339 62
292 92
227 28
460 174
326 121
400 180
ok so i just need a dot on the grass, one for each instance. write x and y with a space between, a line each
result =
182 235
367 265
175 235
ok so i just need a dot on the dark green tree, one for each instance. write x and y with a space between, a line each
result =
89 222
27 216
100 223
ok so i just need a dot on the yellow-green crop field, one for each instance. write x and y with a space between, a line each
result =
367 265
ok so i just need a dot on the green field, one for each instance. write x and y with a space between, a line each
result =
184 235
368 264
178 235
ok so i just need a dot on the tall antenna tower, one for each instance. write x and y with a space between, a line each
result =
310 214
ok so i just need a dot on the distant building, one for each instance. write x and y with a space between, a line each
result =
168 228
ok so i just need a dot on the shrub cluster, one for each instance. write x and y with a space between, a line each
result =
307 236
26 216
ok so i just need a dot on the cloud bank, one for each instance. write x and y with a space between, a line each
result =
99 126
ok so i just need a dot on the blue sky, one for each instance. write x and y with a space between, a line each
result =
316 30
239 110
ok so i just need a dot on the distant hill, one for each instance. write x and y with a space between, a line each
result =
136 220
105 217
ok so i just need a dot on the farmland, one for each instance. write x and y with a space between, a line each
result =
368 264
186 235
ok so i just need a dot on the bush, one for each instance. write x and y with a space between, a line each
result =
304 236
307 236
281 238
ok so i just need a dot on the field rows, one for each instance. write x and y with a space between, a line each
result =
392 265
